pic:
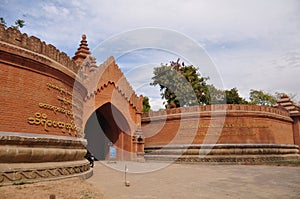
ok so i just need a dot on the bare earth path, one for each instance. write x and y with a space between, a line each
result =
175 181
197 181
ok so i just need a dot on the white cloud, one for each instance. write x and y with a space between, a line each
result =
255 44
52 10
268 71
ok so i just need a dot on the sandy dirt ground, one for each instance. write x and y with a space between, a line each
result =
156 180
196 181
71 188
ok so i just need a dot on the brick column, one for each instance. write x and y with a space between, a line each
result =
296 129
138 144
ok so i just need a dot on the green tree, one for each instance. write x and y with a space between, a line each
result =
180 85
146 105
19 23
216 96
233 97
2 21
261 98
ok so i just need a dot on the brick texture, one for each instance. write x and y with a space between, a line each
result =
222 124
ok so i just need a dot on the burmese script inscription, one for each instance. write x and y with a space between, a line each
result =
65 107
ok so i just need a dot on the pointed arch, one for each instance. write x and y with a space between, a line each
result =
111 100
105 128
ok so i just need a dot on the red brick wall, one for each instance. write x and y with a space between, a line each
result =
38 93
241 124
36 90
109 94
25 93
296 128
107 85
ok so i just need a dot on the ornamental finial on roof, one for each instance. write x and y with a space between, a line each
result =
82 52
285 102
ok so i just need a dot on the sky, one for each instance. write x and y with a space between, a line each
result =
247 44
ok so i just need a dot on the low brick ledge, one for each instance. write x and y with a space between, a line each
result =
223 159
222 153
209 146
29 172
19 138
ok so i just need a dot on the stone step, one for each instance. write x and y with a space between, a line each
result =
222 159
222 153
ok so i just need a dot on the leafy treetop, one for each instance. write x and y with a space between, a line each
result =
19 23
180 85
261 98
146 105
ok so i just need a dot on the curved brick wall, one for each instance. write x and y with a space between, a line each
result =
37 84
41 116
229 126
242 124
47 99
35 45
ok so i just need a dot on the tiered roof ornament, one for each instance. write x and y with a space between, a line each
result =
84 59
82 52
286 103
96 78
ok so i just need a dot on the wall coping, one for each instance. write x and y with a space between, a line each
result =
15 37
31 55
13 42
215 146
110 73
216 110
34 135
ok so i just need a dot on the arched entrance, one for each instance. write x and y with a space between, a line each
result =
108 134
111 113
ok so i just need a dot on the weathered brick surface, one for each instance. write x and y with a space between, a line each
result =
244 124
107 94
38 94
33 44
25 91
296 129
44 96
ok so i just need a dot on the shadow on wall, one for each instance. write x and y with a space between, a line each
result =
103 130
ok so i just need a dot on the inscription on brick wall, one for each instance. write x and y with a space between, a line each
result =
64 107
41 119
60 89
230 130
56 109
202 134
224 126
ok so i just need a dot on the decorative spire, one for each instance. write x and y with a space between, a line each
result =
82 52
287 104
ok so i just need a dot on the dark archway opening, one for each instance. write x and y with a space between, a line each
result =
107 130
